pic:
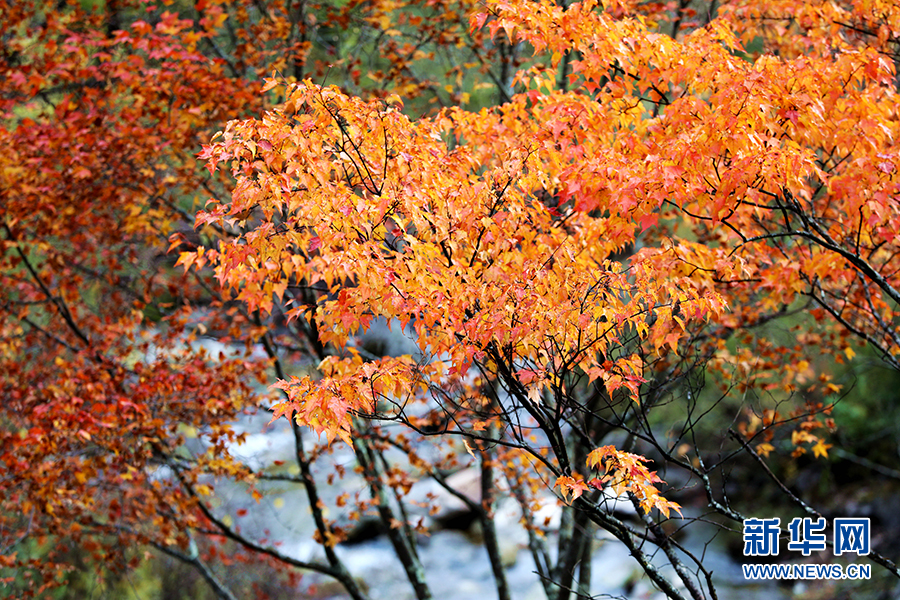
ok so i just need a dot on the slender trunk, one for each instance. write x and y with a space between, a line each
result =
113 22
662 540
622 533
403 547
487 525
309 484
315 503
536 544
507 70
568 559
584 565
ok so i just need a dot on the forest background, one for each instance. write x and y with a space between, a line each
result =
626 242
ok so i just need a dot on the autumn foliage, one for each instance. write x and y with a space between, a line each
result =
578 212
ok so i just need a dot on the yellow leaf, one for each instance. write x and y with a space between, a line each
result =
821 449
269 84
764 449
799 437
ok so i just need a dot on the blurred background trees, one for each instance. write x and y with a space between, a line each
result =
129 385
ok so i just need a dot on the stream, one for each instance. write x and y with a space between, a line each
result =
456 565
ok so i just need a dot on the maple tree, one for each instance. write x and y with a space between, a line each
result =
105 382
755 186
